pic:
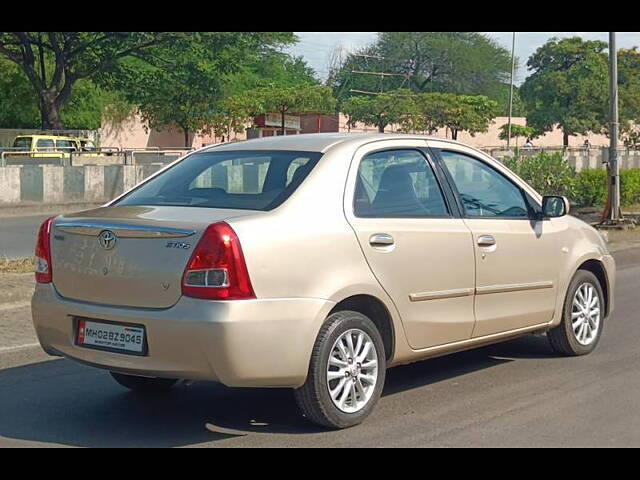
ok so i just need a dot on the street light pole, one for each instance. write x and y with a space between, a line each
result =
513 66
614 169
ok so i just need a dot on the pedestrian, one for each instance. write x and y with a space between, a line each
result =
587 144
528 145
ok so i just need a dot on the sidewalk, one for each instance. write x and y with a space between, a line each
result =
7 211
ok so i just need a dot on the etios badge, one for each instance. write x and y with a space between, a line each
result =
107 239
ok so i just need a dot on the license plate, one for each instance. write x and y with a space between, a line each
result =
111 336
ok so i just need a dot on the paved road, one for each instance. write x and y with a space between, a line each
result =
512 394
18 235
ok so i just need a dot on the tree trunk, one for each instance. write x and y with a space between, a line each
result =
454 134
565 139
282 114
381 128
186 137
50 114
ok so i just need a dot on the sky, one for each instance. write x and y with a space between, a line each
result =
316 47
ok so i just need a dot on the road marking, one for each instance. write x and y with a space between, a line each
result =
18 347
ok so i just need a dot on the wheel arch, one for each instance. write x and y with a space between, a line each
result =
377 311
596 267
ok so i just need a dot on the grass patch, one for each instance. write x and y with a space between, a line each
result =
16 265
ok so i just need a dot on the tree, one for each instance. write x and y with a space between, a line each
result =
430 111
517 131
381 110
84 110
184 83
568 87
452 62
629 96
19 109
54 61
232 114
295 99
470 113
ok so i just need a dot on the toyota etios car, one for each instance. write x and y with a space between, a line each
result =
315 262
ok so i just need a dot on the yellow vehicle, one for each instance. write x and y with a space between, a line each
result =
87 145
52 145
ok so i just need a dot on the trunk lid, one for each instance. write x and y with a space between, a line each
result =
130 256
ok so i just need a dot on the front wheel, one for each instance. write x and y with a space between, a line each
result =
143 384
582 317
346 372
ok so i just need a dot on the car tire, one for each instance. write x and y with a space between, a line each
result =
571 338
357 398
143 384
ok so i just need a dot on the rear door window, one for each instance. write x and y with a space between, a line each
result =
252 180
397 183
65 145
45 145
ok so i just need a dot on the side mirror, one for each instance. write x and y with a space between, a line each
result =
554 206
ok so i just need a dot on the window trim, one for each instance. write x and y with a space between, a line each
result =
454 188
424 152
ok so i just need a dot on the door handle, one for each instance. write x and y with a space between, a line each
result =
381 239
486 241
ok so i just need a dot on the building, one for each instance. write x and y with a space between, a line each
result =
135 134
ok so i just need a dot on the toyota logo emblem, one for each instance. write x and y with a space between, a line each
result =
107 239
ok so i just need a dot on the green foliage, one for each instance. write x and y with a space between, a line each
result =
54 63
552 175
517 131
501 96
292 99
590 187
380 110
629 96
630 187
456 62
18 104
548 174
470 113
570 87
188 83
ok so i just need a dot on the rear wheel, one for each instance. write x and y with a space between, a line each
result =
143 384
582 317
346 372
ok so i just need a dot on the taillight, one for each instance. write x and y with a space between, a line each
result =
43 253
216 269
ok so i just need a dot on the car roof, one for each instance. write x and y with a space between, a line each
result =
53 137
315 142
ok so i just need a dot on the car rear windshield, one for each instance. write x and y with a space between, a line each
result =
250 180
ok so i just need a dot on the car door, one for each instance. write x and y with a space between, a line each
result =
516 256
414 241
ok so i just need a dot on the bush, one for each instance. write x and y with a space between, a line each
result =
549 174
552 175
630 187
590 188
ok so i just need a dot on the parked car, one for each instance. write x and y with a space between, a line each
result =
315 262
47 145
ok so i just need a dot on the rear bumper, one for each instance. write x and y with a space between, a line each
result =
246 343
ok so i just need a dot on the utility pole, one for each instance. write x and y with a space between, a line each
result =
614 214
513 67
